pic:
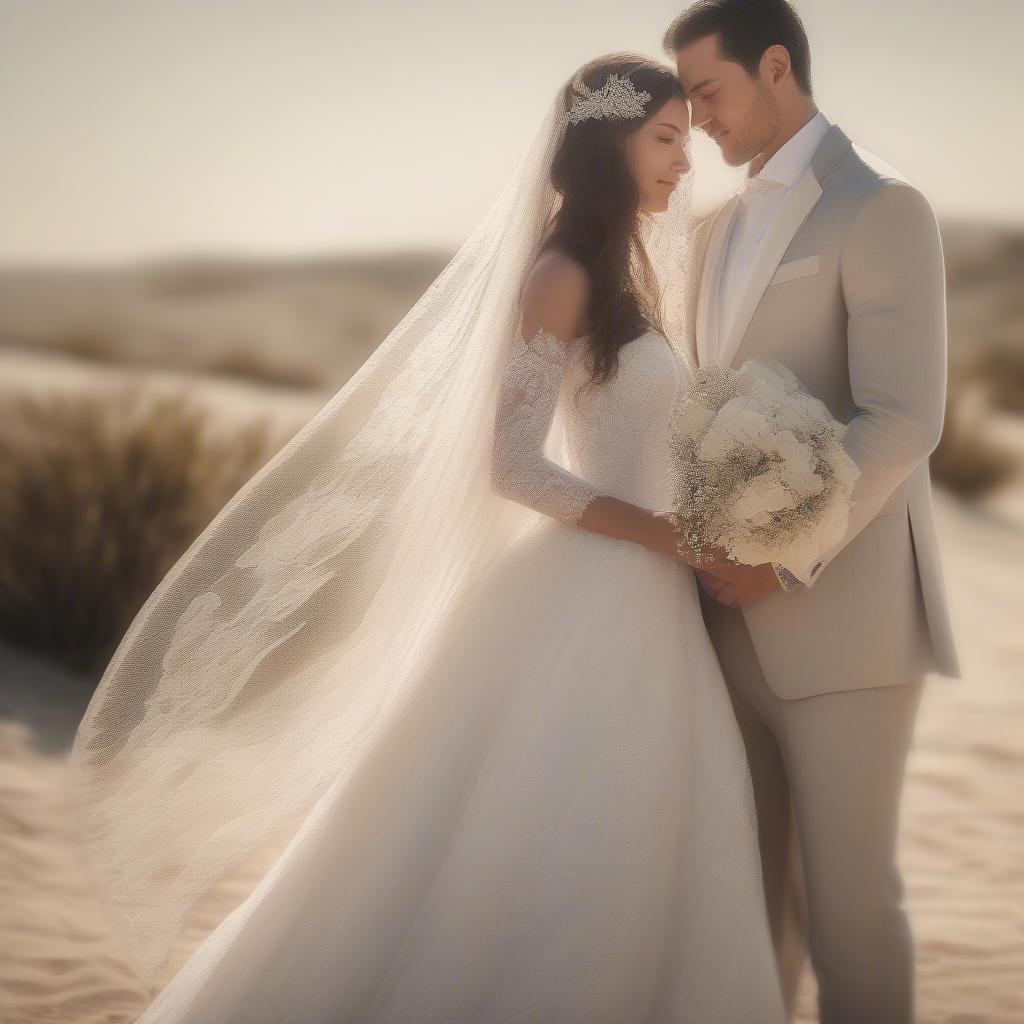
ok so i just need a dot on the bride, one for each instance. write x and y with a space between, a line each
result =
449 633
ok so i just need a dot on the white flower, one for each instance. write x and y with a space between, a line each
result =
758 466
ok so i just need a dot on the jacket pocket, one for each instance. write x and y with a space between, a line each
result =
797 268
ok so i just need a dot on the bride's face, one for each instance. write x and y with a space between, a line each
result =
654 154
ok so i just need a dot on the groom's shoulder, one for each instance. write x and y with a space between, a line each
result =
872 196
866 174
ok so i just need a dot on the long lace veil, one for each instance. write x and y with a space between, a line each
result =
295 627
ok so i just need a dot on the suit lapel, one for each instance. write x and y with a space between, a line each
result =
794 211
797 204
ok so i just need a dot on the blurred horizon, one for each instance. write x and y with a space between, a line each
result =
146 131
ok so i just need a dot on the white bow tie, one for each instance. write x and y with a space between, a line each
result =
753 188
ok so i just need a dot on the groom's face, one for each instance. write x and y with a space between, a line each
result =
737 111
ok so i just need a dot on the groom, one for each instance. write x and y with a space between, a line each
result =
828 261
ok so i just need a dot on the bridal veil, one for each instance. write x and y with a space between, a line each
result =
296 626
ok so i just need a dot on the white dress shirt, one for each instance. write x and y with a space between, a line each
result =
761 197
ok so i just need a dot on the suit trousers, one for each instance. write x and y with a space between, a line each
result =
827 774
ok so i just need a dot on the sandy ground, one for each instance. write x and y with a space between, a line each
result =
963 824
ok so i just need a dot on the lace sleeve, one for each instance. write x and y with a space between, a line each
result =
528 396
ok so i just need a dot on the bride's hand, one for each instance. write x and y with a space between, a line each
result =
726 571
653 529
666 539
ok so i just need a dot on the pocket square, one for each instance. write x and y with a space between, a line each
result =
797 268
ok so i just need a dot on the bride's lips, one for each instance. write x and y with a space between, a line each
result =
669 184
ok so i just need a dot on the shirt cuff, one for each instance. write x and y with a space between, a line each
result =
790 581
786 579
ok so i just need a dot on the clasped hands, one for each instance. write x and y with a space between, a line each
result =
734 585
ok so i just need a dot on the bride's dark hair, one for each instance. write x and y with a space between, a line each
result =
598 221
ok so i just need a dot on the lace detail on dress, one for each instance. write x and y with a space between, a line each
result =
528 396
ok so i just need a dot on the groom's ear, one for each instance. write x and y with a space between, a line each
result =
776 64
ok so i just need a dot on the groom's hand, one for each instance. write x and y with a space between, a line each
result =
738 586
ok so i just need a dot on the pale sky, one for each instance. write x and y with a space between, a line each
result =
292 127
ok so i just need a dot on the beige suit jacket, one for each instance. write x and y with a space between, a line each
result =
848 292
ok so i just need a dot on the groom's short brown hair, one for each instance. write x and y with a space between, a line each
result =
746 29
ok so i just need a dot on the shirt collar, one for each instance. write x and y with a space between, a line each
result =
794 155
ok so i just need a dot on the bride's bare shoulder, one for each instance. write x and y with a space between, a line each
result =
555 296
553 267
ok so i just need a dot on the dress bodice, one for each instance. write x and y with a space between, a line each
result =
617 433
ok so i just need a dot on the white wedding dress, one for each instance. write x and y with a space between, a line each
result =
560 828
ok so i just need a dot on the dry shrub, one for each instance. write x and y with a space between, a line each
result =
83 343
1002 367
966 460
100 493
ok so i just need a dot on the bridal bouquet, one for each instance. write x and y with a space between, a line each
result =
758 468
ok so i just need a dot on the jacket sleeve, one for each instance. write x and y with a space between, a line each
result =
530 386
893 281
